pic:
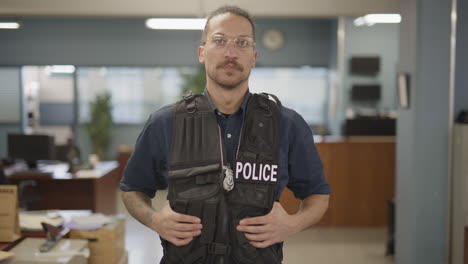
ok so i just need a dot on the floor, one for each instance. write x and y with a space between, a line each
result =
315 245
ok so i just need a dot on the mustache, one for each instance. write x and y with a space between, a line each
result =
237 65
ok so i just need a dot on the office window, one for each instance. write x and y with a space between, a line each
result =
10 95
48 93
303 89
136 92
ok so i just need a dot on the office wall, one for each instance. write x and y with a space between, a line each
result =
126 41
422 134
461 78
378 40
307 42
459 180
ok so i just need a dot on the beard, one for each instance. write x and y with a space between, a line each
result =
228 84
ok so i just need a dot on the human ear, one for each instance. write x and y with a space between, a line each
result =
254 59
201 55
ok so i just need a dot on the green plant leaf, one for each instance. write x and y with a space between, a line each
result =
100 124
194 82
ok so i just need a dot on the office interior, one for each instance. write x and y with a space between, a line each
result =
400 163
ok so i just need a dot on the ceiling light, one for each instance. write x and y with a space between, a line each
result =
60 69
176 23
9 25
372 19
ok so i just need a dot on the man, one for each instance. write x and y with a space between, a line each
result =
232 231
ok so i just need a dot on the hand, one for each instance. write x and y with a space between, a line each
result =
179 229
264 231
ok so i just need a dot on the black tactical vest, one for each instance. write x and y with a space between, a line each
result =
200 181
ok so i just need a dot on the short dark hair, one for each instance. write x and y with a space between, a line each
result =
224 10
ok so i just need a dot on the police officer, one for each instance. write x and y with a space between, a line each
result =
228 53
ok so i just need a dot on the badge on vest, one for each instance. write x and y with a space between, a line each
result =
228 182
256 172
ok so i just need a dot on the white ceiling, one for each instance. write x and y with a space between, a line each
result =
195 8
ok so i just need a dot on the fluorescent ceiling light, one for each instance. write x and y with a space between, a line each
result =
9 25
65 69
176 23
372 19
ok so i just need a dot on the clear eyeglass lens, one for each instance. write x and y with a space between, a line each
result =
240 42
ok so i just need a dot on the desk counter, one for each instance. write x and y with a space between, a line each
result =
92 190
361 173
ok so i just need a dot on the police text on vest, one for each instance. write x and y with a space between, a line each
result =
256 172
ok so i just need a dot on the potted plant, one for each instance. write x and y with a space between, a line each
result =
100 124
194 82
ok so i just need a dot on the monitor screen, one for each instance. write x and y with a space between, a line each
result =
365 65
365 92
31 148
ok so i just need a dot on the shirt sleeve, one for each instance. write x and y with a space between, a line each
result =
146 169
304 164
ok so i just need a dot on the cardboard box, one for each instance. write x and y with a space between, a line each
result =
9 224
107 244
124 259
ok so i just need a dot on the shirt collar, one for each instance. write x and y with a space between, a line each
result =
242 106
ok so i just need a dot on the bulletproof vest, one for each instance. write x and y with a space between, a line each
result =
201 182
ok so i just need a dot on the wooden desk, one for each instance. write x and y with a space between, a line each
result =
465 261
6 246
361 174
61 190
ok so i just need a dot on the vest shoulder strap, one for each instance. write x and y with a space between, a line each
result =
261 130
193 138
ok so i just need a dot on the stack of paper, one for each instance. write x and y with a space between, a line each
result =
32 221
89 222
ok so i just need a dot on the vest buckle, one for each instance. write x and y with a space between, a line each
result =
191 107
218 249
189 99
188 96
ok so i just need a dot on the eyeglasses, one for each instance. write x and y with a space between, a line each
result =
240 42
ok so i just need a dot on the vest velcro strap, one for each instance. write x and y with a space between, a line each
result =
264 156
180 206
250 155
194 256
195 208
207 178
188 172
209 222
202 252
218 249
264 105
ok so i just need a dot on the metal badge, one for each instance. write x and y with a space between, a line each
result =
228 182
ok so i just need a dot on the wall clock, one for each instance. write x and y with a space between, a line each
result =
273 39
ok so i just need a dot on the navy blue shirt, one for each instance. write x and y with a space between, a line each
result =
300 167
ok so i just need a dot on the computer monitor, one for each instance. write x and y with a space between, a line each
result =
31 148
364 65
365 93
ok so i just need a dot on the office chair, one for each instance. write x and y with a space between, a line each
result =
61 152
390 246
3 179
27 194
